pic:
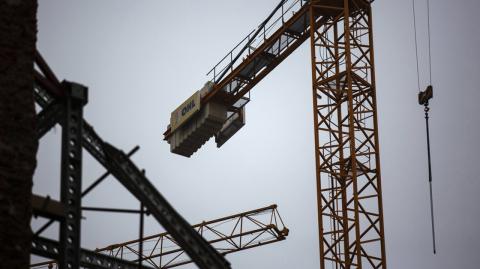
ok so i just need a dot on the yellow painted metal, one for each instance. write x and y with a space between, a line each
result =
185 111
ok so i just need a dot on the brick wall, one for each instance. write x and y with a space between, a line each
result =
18 143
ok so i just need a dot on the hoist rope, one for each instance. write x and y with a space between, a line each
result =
416 43
429 46
430 181
428 133
426 110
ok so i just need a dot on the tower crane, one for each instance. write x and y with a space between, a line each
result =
348 181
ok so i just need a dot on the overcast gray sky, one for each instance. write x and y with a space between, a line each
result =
140 60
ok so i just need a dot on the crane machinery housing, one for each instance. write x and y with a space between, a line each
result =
348 181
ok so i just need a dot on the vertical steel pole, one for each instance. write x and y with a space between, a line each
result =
71 174
377 142
140 236
315 128
352 128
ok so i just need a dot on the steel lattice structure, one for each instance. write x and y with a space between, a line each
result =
227 235
346 138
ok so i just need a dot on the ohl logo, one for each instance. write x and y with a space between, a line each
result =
188 107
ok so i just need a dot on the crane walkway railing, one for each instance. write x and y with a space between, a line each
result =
282 12
261 50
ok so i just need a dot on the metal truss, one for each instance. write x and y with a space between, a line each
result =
349 195
227 235
87 258
71 174
62 103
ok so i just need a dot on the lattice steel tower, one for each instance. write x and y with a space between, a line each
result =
346 139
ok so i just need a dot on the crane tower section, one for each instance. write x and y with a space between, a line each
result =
346 139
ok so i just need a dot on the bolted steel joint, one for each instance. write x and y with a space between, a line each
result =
76 91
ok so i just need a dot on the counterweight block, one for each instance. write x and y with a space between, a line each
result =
193 125
189 137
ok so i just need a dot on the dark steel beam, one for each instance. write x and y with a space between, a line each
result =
48 117
43 66
71 175
140 234
51 249
44 227
106 174
112 210
48 208
136 182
